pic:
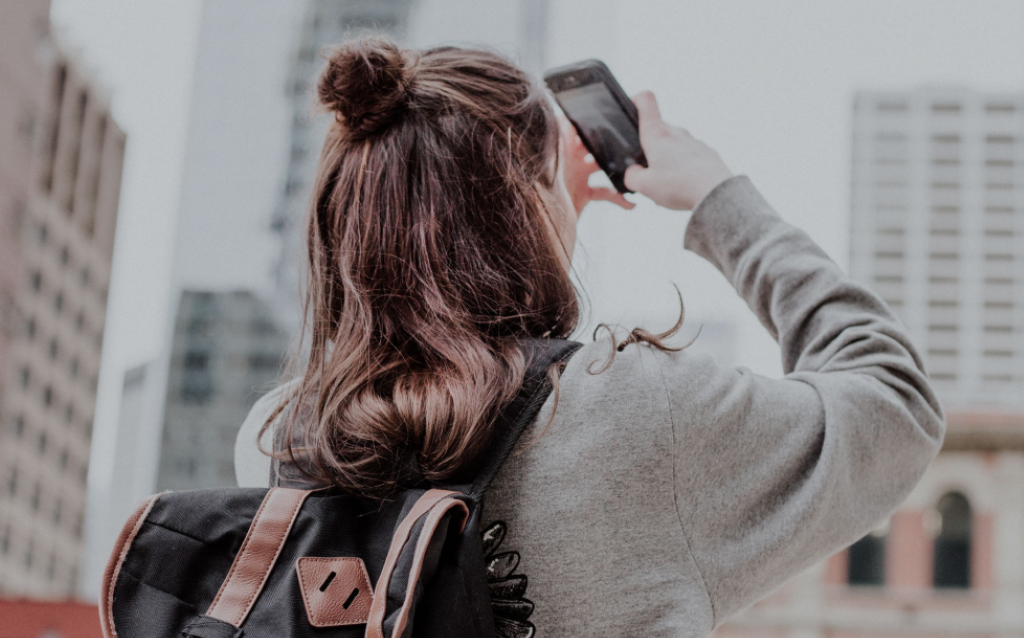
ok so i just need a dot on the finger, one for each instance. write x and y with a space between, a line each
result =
647 107
611 195
636 178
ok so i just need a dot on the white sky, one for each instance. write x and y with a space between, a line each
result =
769 83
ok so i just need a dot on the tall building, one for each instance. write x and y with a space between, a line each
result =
938 231
59 216
227 351
234 153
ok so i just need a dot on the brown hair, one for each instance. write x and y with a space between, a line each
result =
429 254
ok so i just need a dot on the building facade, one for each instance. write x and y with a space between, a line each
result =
938 231
227 351
56 276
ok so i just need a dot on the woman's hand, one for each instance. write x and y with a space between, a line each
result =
577 167
680 169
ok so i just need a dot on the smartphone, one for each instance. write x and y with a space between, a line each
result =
603 115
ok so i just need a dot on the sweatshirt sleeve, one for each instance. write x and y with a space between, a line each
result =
773 475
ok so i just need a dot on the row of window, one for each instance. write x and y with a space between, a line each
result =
944 185
59 304
951 552
48 394
953 352
58 515
948 108
949 377
42 235
987 328
944 255
20 430
30 560
78 102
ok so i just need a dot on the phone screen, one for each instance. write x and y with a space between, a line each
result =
607 130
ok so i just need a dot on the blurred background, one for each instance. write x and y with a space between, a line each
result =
155 165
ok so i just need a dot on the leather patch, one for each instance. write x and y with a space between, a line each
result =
335 591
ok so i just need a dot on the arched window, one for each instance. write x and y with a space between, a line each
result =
953 544
867 559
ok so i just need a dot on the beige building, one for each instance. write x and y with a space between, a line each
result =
938 231
61 181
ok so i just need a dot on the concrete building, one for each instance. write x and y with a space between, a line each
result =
937 227
227 352
61 189
938 231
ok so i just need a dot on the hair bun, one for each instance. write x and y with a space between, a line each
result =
366 83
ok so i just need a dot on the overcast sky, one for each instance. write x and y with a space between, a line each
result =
769 83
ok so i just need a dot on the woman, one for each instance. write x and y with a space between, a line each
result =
658 493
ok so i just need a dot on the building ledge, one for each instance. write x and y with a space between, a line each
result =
984 432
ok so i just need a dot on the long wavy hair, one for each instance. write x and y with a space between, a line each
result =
432 249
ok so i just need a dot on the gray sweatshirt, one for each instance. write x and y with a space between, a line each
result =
670 492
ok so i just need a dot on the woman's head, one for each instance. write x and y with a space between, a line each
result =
437 237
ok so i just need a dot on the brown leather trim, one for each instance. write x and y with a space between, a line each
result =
335 591
430 498
121 546
256 557
429 526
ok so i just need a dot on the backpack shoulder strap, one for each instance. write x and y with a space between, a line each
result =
520 413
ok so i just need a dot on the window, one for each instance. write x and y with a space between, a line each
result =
196 361
12 481
37 281
867 559
953 544
26 377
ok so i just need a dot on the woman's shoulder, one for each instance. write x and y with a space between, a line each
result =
252 465
637 381
636 365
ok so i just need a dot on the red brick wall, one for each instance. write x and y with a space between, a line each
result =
30 619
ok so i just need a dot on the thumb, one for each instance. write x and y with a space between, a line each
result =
636 178
647 108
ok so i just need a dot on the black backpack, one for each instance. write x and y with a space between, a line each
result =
302 563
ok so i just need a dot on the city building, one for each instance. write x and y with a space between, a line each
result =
59 214
937 228
227 351
937 223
